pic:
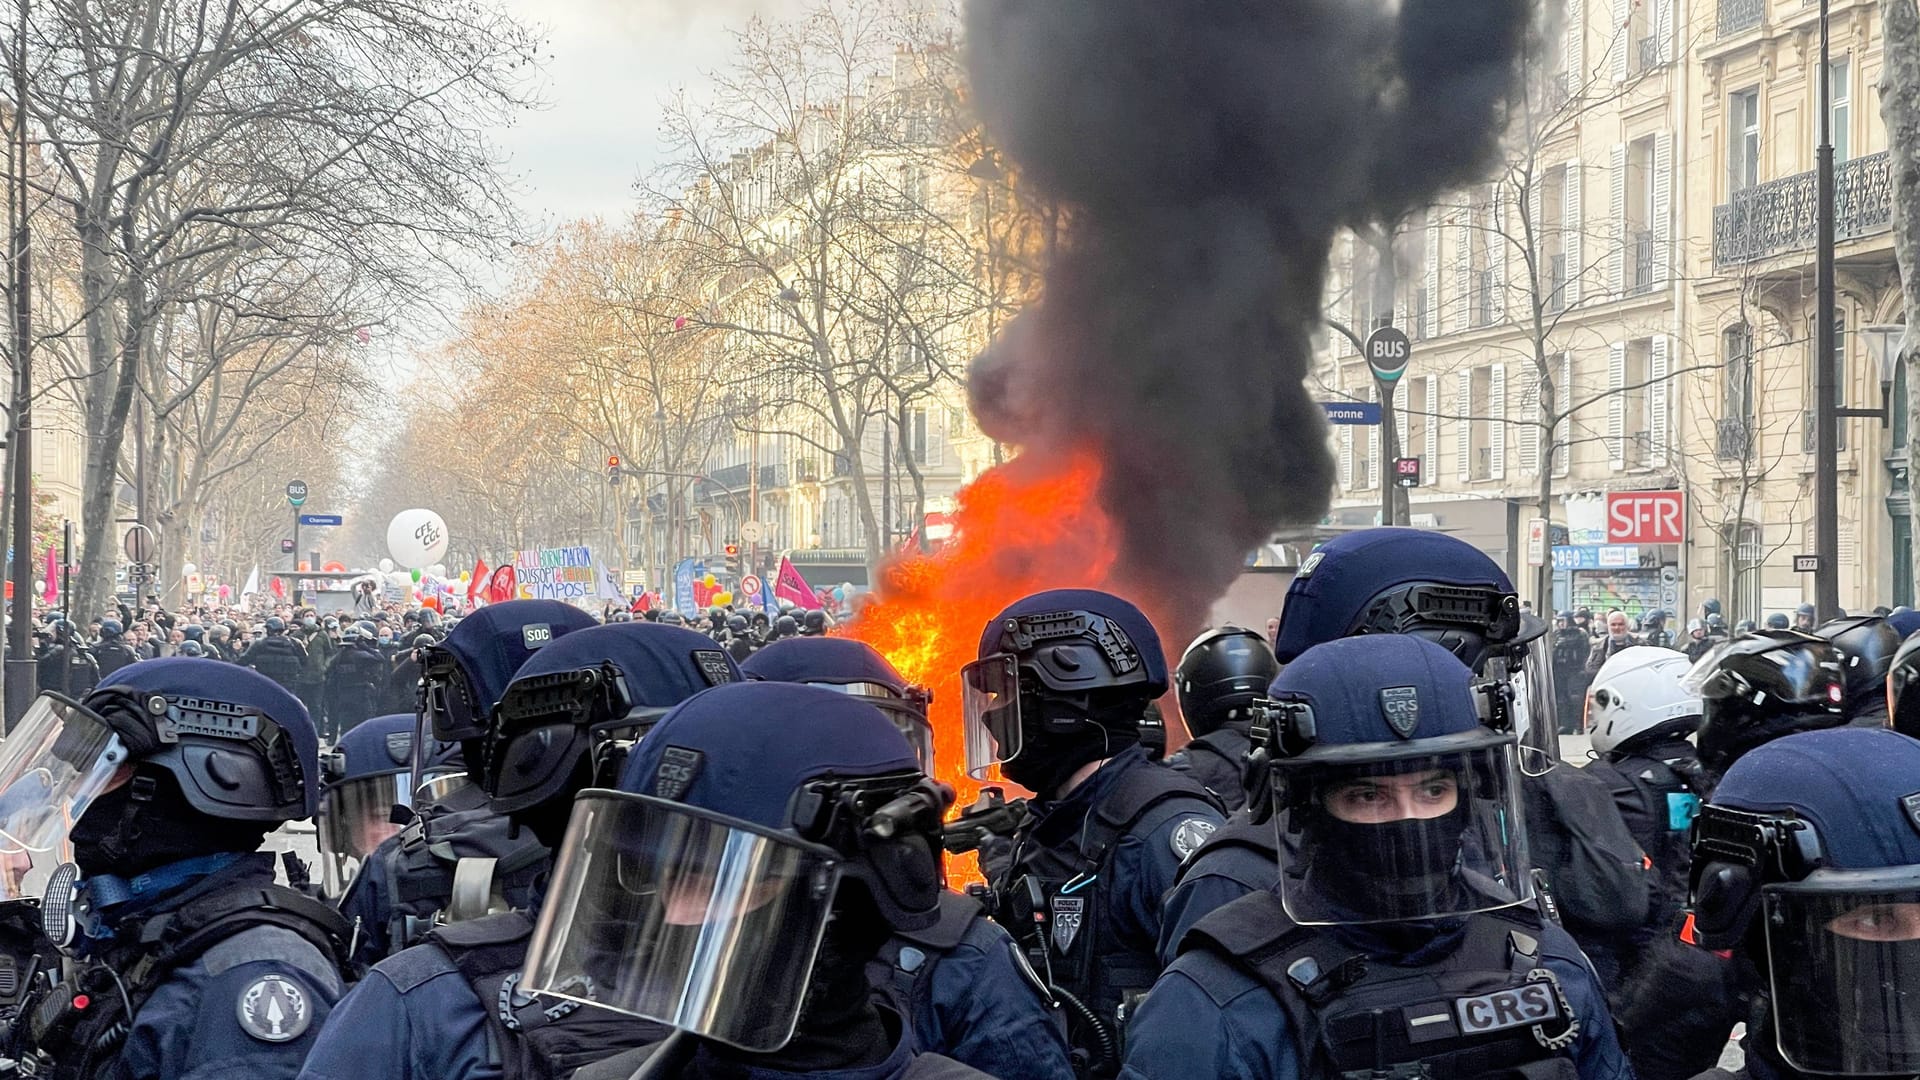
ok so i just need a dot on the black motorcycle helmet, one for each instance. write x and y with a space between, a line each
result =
1903 671
785 627
1221 675
1867 644
736 624
815 623
1764 686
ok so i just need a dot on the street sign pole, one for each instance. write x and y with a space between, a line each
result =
1388 351
296 497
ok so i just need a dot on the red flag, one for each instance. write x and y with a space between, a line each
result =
277 586
51 582
790 586
503 587
473 583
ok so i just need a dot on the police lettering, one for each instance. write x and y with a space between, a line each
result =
1502 1009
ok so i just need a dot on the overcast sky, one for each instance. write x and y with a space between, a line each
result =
613 63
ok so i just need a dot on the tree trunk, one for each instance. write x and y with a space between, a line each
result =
94 584
1900 111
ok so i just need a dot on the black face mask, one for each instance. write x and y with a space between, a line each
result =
1047 759
1393 870
121 835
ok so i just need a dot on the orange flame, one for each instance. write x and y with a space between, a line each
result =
1020 528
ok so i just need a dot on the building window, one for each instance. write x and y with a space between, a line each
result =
1480 411
1743 555
1842 107
1743 143
1639 223
1737 400
1553 245
1899 406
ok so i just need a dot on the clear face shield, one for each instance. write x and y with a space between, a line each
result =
991 703
908 713
1529 671
1843 953
428 783
1392 832
60 757
355 816
683 917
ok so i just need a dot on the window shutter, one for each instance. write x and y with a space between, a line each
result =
1663 27
1617 216
1497 416
1617 404
1376 437
1622 15
1463 268
1432 449
1346 456
1570 229
1657 423
1576 46
1496 235
1463 435
1563 434
1432 328
1530 417
1662 206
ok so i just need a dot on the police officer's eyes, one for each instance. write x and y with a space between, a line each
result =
1879 922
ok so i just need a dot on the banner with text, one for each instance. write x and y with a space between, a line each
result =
555 573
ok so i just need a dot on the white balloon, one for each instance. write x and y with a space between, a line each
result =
438 570
416 538
189 570
386 566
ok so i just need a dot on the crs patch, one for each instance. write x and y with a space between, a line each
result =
1187 836
1400 707
1067 912
714 667
1309 564
1911 804
1537 1003
679 767
274 1009
534 635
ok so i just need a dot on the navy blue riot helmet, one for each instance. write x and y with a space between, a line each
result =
463 676
1395 799
362 778
1434 586
1063 679
1778 621
763 843
169 759
1808 856
850 667
575 707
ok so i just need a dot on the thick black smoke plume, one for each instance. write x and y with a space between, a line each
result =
1206 153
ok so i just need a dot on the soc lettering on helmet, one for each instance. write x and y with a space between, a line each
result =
534 635
274 1009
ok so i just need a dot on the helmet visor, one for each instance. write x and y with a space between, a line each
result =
909 720
59 758
1386 832
1843 949
991 701
438 785
1535 716
683 917
1701 676
355 815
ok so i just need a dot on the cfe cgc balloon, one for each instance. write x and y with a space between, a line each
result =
416 538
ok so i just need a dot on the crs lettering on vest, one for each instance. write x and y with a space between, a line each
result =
1503 1009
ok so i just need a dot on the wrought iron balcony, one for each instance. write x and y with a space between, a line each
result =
1739 15
1779 215
1643 255
1736 439
1649 53
1557 283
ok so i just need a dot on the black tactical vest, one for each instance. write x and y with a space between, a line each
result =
452 846
1488 1009
54 1038
1218 761
902 969
1055 903
532 1037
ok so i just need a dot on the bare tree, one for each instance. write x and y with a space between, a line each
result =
1900 112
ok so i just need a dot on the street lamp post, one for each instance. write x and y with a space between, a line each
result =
1826 411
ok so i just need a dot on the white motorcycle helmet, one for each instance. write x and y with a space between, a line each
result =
1637 691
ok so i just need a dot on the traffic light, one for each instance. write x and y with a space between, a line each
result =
733 559
613 468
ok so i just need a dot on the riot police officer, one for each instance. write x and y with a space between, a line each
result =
1867 644
1219 677
1570 648
1403 892
1057 699
351 692
188 960
68 666
362 779
571 714
277 656
744 851
1653 629
113 652
1761 687
1412 581
962 983
1807 863
408 883
1778 621
1804 618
